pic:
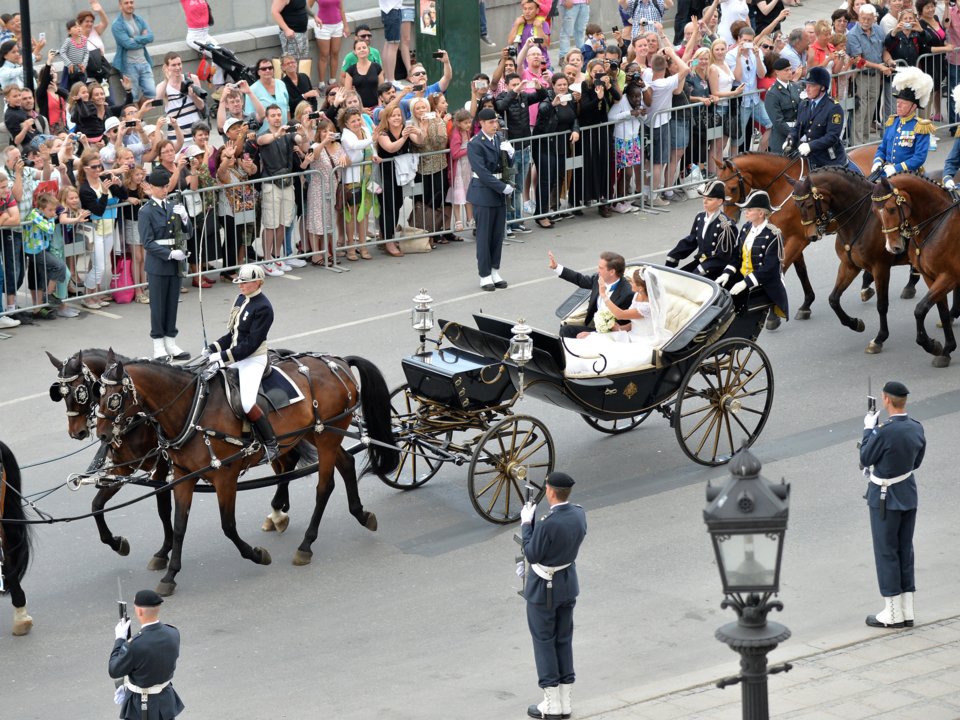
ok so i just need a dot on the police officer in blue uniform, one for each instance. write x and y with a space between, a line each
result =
488 194
157 224
890 453
147 663
757 258
906 139
244 347
551 545
818 134
712 237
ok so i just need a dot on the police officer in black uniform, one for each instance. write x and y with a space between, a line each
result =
147 663
551 545
890 453
818 134
488 194
157 223
713 237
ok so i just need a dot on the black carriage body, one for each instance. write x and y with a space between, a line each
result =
457 378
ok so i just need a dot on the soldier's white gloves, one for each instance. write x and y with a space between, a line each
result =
178 255
876 166
120 631
506 147
786 145
949 184
216 362
181 211
889 170
508 190
205 353
738 287
804 149
722 280
870 420
527 512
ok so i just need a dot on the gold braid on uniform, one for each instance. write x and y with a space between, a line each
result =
890 121
727 234
923 127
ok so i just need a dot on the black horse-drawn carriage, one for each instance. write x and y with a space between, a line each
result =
705 374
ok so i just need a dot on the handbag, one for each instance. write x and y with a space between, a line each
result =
414 244
122 281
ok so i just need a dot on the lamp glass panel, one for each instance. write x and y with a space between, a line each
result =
750 560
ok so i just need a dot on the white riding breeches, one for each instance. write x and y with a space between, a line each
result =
250 371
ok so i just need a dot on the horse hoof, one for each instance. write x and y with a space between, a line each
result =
802 315
268 525
166 589
283 523
868 293
157 563
858 326
263 557
936 348
908 293
874 348
941 361
772 323
301 557
123 549
371 522
22 627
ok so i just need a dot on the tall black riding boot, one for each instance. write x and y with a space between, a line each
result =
264 431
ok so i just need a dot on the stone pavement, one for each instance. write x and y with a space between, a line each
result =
909 674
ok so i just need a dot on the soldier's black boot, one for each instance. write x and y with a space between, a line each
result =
264 431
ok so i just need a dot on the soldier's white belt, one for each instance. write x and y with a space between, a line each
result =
889 481
496 175
165 241
547 571
152 690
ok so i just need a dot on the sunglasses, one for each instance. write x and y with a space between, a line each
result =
265 68
766 47
419 72
94 167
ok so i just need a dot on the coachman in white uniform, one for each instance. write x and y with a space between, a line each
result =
244 347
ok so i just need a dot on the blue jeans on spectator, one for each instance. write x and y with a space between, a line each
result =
573 26
11 257
141 75
483 18
521 163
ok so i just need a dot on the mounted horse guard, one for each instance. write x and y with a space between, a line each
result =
906 137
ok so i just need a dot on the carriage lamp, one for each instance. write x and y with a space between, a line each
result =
521 347
747 521
421 316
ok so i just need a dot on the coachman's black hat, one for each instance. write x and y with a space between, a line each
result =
559 480
713 189
756 199
147 598
896 389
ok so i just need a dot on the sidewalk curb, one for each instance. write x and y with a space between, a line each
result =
706 678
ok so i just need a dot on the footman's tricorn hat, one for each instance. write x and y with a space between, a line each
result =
713 189
896 389
147 598
756 199
559 480
249 273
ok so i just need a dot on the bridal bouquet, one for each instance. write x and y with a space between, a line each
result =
604 320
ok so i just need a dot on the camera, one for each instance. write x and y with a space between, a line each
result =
614 65
907 26
187 84
28 163
130 123
538 41
636 77
614 28
418 88
156 102
105 176
292 126
313 115
438 55
512 51
429 116
334 136
54 159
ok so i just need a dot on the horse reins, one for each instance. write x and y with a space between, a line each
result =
907 231
824 218
742 183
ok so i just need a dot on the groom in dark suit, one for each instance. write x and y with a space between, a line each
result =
610 269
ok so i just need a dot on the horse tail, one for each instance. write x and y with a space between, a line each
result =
375 403
17 535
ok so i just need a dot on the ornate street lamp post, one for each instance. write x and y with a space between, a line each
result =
747 519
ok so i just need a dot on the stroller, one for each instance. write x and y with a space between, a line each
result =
227 60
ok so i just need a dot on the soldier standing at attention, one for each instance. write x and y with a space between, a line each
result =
551 546
713 237
163 263
487 193
890 453
147 663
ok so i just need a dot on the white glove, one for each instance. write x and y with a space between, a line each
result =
120 631
722 280
216 361
949 184
177 255
889 170
508 190
527 512
738 287
182 212
870 420
876 166
205 353
507 148
786 144
804 149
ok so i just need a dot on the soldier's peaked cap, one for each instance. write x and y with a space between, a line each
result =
147 598
559 480
896 389
158 177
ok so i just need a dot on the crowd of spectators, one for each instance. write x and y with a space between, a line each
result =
329 153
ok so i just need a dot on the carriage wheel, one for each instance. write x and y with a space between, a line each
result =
618 426
724 401
516 452
418 461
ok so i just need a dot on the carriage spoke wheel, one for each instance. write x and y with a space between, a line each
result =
618 426
418 461
724 401
515 452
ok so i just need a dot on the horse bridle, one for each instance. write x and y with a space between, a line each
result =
116 403
823 218
742 183
906 230
83 392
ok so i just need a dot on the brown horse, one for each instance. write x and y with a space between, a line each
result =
767 171
14 540
925 216
837 201
202 436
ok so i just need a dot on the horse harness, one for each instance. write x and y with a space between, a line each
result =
907 231
742 182
823 218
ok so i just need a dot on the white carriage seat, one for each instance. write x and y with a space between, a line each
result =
674 300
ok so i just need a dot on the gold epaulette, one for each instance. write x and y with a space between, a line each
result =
923 127
890 120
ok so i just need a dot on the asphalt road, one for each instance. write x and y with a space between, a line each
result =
420 619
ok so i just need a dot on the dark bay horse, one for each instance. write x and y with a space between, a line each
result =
767 171
923 215
205 437
837 201
14 540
